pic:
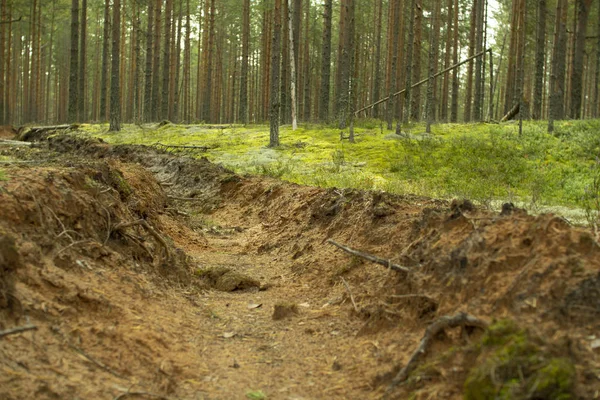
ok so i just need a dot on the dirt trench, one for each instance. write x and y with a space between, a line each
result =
139 273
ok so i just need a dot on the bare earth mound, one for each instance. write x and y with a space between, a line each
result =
131 272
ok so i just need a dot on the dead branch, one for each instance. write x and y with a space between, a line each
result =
14 143
370 257
350 293
172 146
412 296
98 363
511 113
144 224
11 21
16 330
73 244
437 326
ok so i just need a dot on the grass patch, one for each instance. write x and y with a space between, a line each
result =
488 163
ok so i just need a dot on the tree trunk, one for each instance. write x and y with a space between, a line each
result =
583 13
82 63
455 83
2 58
149 63
275 69
206 114
115 84
326 62
74 70
472 45
540 56
156 99
479 63
410 10
166 70
243 110
595 110
557 77
377 74
292 65
415 107
433 53
393 62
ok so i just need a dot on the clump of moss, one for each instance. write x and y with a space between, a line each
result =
513 365
117 180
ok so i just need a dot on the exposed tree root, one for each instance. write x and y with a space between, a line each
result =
437 326
144 224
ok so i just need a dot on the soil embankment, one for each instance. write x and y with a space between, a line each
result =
147 272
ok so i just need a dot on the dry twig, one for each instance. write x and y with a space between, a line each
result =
98 363
350 293
370 257
149 229
437 326
16 330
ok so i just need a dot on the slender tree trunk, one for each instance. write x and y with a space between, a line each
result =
149 63
557 77
410 10
82 63
433 52
243 110
292 64
540 56
390 108
156 97
472 45
326 62
479 63
105 61
583 13
377 75
455 83
73 74
3 17
275 69
115 84
595 110
415 107
209 66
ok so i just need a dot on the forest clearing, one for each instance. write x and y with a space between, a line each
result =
300 199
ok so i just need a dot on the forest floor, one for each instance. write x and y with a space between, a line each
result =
137 273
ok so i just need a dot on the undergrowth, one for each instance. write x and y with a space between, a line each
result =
488 163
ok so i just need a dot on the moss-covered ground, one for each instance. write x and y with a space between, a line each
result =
488 163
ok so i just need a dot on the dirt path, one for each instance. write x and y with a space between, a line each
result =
183 307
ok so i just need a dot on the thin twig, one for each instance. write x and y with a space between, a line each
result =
73 244
350 293
370 257
98 363
16 330
148 228
437 326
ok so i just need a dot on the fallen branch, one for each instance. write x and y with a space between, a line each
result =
167 146
14 143
148 228
350 293
511 113
98 363
18 329
370 257
412 296
437 326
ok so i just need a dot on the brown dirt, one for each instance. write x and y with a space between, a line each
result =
117 311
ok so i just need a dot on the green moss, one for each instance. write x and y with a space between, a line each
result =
512 365
489 163
120 184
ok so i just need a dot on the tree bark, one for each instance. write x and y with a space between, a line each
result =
557 77
455 83
433 52
326 62
275 69
149 63
74 70
583 13
82 103
292 65
540 56
410 10
115 84
243 110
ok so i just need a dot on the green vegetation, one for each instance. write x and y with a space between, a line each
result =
488 163
513 366
256 395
